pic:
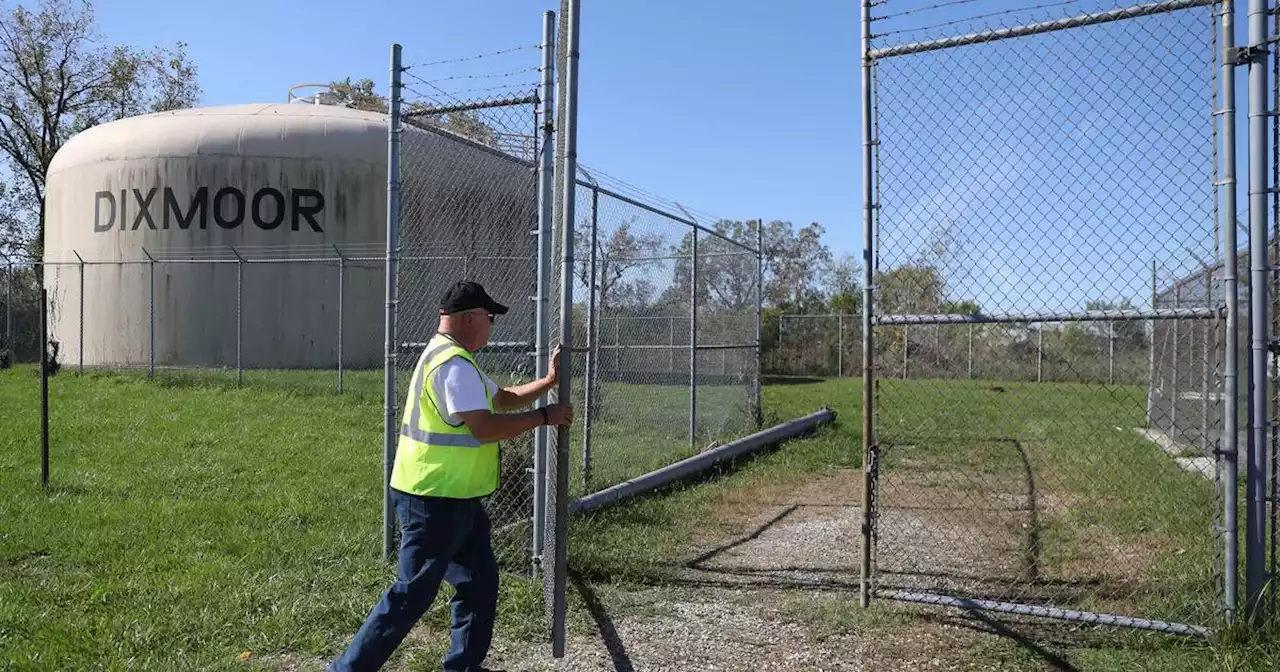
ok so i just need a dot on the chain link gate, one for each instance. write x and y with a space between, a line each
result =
1062 176
468 173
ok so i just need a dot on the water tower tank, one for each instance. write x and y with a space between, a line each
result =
199 189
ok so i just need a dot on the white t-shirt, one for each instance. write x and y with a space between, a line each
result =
458 386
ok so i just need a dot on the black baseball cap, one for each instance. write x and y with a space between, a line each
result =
465 295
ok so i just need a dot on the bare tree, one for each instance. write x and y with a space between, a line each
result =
617 255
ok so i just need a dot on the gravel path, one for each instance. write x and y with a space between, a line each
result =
759 599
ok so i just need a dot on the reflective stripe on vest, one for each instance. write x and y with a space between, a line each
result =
434 456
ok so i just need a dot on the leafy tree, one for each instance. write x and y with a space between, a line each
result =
58 77
844 292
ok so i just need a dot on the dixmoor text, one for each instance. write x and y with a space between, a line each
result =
229 208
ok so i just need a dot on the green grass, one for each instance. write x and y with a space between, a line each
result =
189 520
186 524
1079 443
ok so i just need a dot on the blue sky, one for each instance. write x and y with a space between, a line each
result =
740 109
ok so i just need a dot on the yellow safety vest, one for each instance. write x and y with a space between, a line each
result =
433 457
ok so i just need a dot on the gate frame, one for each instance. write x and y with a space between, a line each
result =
1227 59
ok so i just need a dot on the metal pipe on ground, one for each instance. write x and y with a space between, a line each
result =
672 472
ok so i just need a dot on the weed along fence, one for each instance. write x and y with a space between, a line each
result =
1016 170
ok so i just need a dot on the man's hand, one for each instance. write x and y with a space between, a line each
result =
553 375
561 415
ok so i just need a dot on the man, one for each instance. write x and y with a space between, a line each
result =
446 462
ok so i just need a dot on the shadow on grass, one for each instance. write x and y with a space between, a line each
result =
986 623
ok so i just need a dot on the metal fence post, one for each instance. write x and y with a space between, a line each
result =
970 351
592 361
1228 455
693 344
1151 352
1256 509
1111 353
151 314
8 329
569 167
44 387
239 317
906 345
868 280
342 279
542 330
1204 366
1177 336
671 344
839 345
390 426
1039 353
80 339
759 400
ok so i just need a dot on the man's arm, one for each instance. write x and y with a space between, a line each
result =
520 396
487 426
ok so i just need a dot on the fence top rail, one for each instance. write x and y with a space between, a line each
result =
1082 316
662 213
1094 18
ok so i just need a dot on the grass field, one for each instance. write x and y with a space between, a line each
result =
188 521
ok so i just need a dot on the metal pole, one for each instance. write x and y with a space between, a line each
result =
1151 353
569 140
44 387
1176 326
1039 353
592 350
390 426
1256 508
868 279
542 310
1111 353
839 345
239 319
759 401
151 315
671 343
970 351
693 344
8 328
906 345
342 279
1204 367
80 363
1230 443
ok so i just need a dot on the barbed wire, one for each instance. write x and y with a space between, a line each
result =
617 184
1058 3
485 76
917 10
473 58
505 87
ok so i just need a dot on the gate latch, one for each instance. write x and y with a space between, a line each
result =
1243 55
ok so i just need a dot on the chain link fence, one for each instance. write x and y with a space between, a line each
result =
669 369
137 320
831 346
1036 190
469 211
